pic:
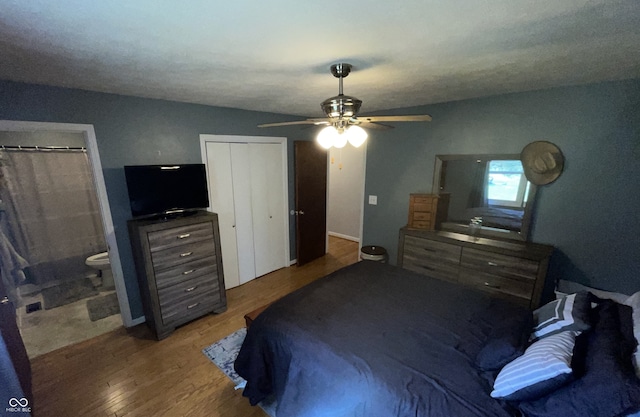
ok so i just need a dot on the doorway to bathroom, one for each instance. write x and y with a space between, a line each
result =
52 240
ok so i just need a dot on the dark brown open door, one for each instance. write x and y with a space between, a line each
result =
311 200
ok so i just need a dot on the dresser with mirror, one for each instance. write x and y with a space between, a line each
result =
482 238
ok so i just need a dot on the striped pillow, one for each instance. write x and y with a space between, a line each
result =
567 313
544 367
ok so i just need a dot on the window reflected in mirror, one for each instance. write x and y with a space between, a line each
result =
506 185
490 190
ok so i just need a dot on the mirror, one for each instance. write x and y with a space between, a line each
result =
491 189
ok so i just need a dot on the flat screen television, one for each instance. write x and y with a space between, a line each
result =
166 189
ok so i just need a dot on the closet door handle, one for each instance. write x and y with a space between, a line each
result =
184 236
188 272
182 255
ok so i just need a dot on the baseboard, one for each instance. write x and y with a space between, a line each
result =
293 262
136 321
341 236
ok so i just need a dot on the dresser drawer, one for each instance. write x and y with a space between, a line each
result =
442 271
497 284
163 239
421 224
177 255
507 266
182 272
418 199
188 289
419 215
433 258
422 208
188 309
431 249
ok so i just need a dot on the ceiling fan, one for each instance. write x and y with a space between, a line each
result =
342 123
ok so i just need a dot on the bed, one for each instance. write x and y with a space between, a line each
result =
498 217
377 340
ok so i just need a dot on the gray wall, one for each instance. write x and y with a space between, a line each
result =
131 131
590 213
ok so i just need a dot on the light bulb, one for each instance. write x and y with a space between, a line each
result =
340 139
326 137
356 135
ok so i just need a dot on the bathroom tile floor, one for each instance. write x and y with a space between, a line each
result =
47 330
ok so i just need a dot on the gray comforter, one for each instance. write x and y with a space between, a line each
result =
374 340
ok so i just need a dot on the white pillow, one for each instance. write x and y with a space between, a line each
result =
569 287
543 367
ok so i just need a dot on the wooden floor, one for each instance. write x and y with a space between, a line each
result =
127 373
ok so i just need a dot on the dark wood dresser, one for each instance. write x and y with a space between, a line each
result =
513 270
179 268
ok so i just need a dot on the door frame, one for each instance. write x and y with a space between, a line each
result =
101 190
282 141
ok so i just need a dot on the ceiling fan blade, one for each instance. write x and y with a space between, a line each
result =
408 118
370 125
298 122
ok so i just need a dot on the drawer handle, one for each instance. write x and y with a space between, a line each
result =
487 284
429 250
182 255
192 306
492 263
184 235
191 288
5 300
188 272
426 267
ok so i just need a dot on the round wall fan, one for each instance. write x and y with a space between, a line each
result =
341 111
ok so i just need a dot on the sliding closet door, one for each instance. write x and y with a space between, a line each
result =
241 174
221 201
268 211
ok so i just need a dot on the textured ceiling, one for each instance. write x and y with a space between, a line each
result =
275 55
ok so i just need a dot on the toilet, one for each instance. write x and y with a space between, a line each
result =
100 262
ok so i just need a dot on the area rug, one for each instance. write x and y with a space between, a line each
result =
103 306
223 353
67 292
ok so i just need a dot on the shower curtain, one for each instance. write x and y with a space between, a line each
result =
51 212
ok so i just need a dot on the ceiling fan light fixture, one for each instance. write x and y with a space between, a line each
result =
340 139
355 135
338 136
326 137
